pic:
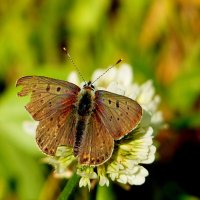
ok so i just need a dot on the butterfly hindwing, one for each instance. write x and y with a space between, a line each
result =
56 130
118 113
97 144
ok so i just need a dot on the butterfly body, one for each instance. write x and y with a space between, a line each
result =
84 109
86 119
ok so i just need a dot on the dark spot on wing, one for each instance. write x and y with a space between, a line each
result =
58 89
102 158
118 118
51 119
85 158
48 88
109 101
117 104
92 160
127 107
51 151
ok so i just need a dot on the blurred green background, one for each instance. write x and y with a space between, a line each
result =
159 38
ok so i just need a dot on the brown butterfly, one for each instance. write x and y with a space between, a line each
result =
86 119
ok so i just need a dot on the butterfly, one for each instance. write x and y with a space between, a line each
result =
86 119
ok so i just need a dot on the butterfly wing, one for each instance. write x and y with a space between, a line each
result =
113 117
57 130
97 144
48 95
119 114
52 103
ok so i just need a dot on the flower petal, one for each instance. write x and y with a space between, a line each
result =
124 75
73 78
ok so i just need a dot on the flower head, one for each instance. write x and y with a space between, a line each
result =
132 150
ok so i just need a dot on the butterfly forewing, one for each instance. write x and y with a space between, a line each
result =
42 84
47 95
97 144
52 103
118 113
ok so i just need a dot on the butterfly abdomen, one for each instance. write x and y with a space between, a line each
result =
84 110
80 128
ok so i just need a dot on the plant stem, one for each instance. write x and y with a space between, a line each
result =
70 186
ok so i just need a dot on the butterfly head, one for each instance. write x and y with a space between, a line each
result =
89 86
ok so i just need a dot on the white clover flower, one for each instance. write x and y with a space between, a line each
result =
86 174
132 150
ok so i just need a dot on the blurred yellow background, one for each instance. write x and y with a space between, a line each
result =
159 38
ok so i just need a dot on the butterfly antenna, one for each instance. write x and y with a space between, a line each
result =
108 70
72 61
